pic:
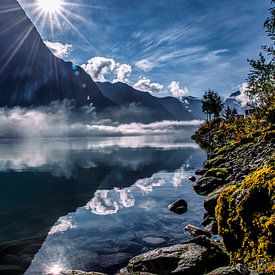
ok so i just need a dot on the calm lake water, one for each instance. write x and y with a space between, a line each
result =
95 203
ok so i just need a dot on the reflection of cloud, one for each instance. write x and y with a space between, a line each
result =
178 177
63 224
107 202
147 185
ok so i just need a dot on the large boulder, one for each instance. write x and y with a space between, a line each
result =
197 256
178 207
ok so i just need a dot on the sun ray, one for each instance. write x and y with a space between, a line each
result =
19 42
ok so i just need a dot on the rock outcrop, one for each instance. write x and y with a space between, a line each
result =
197 256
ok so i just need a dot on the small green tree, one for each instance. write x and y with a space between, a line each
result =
212 104
261 79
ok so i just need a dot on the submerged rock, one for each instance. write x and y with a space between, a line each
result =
194 257
192 178
195 231
153 240
178 207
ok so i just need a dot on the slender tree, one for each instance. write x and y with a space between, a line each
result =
261 79
212 104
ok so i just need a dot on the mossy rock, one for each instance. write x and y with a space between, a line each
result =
246 220
217 172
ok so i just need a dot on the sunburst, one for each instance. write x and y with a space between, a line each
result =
50 6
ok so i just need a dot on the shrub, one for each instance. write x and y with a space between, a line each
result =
246 220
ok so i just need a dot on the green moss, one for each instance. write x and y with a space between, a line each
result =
246 220
217 172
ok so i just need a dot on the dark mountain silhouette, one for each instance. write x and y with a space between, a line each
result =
193 105
30 74
167 108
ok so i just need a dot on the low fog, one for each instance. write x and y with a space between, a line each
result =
63 120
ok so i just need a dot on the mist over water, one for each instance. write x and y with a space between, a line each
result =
60 120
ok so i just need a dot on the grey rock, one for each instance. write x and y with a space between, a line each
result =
225 270
212 227
178 207
193 257
195 231
242 269
206 185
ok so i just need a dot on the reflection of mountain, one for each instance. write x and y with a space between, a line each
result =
61 178
30 74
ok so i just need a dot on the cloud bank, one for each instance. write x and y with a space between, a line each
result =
55 121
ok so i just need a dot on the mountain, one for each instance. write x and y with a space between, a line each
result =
193 105
233 102
30 74
167 108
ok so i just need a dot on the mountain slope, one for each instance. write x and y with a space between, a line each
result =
167 108
233 102
30 74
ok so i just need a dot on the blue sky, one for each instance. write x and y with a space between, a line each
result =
166 45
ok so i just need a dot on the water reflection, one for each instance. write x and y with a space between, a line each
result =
98 201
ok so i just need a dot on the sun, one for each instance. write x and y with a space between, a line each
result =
50 6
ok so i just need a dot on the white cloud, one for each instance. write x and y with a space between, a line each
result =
98 67
145 65
243 98
59 49
123 72
145 85
176 90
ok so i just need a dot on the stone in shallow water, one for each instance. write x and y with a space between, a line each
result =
178 207
153 240
192 178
